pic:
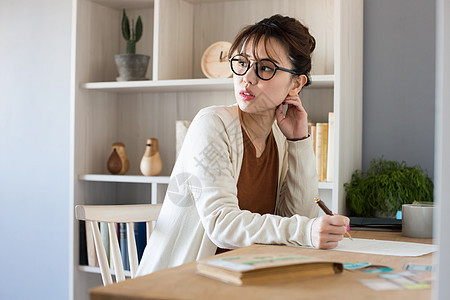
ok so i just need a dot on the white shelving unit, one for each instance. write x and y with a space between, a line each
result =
184 85
176 33
96 270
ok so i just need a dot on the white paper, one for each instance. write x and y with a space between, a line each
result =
378 284
385 247
229 265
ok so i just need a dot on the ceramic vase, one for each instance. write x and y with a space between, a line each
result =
118 163
151 164
131 66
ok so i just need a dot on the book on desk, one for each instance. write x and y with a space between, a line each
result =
377 224
254 269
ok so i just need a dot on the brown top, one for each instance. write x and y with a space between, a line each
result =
257 183
258 179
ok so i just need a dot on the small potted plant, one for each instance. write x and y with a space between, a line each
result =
385 187
131 66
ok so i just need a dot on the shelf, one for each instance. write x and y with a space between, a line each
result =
325 185
124 178
184 85
129 4
96 270
152 179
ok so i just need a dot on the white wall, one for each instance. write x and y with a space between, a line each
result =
442 161
34 148
399 77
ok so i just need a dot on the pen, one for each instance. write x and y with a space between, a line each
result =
327 211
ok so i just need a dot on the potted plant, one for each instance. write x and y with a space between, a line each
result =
131 66
385 187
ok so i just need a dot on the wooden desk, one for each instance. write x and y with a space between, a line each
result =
183 283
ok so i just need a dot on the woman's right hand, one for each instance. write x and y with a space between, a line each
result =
327 231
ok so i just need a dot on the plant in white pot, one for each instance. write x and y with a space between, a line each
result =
131 66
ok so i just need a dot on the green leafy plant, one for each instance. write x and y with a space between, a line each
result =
385 187
132 34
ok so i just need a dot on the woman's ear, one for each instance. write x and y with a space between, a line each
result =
297 84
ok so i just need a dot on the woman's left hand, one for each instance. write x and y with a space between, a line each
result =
294 125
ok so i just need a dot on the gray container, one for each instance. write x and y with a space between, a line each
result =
132 66
417 220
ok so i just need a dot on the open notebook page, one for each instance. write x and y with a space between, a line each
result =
385 247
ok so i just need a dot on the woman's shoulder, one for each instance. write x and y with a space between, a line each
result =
222 111
227 115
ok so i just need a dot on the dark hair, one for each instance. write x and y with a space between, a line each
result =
292 35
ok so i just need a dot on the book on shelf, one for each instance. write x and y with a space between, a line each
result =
260 268
322 135
123 245
330 148
83 260
105 238
312 134
321 150
88 254
141 238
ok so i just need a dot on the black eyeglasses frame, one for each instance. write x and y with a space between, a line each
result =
255 66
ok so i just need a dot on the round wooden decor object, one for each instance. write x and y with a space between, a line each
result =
215 62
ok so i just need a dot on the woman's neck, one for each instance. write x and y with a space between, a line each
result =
258 127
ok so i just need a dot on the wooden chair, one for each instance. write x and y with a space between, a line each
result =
111 214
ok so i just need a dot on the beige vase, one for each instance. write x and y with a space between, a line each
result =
151 164
118 163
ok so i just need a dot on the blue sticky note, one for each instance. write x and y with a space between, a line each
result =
376 270
355 266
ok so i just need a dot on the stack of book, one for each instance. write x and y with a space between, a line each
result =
323 139
88 256
260 268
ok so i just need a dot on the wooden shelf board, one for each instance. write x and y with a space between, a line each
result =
184 85
152 179
325 185
124 178
96 270
179 85
130 4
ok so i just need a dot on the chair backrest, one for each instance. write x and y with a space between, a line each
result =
111 214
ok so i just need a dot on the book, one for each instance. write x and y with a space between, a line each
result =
376 224
312 134
141 238
321 150
330 148
254 269
83 260
105 238
124 246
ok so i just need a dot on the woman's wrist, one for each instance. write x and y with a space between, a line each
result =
300 139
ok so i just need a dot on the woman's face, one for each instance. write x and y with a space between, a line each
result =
254 95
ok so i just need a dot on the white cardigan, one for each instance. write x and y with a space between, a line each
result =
200 210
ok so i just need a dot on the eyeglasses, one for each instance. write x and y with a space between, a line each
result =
265 69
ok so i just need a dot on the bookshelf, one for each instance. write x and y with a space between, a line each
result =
176 32
184 85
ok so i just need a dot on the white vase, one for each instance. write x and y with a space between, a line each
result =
151 164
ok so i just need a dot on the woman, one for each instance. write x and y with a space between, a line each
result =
241 177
